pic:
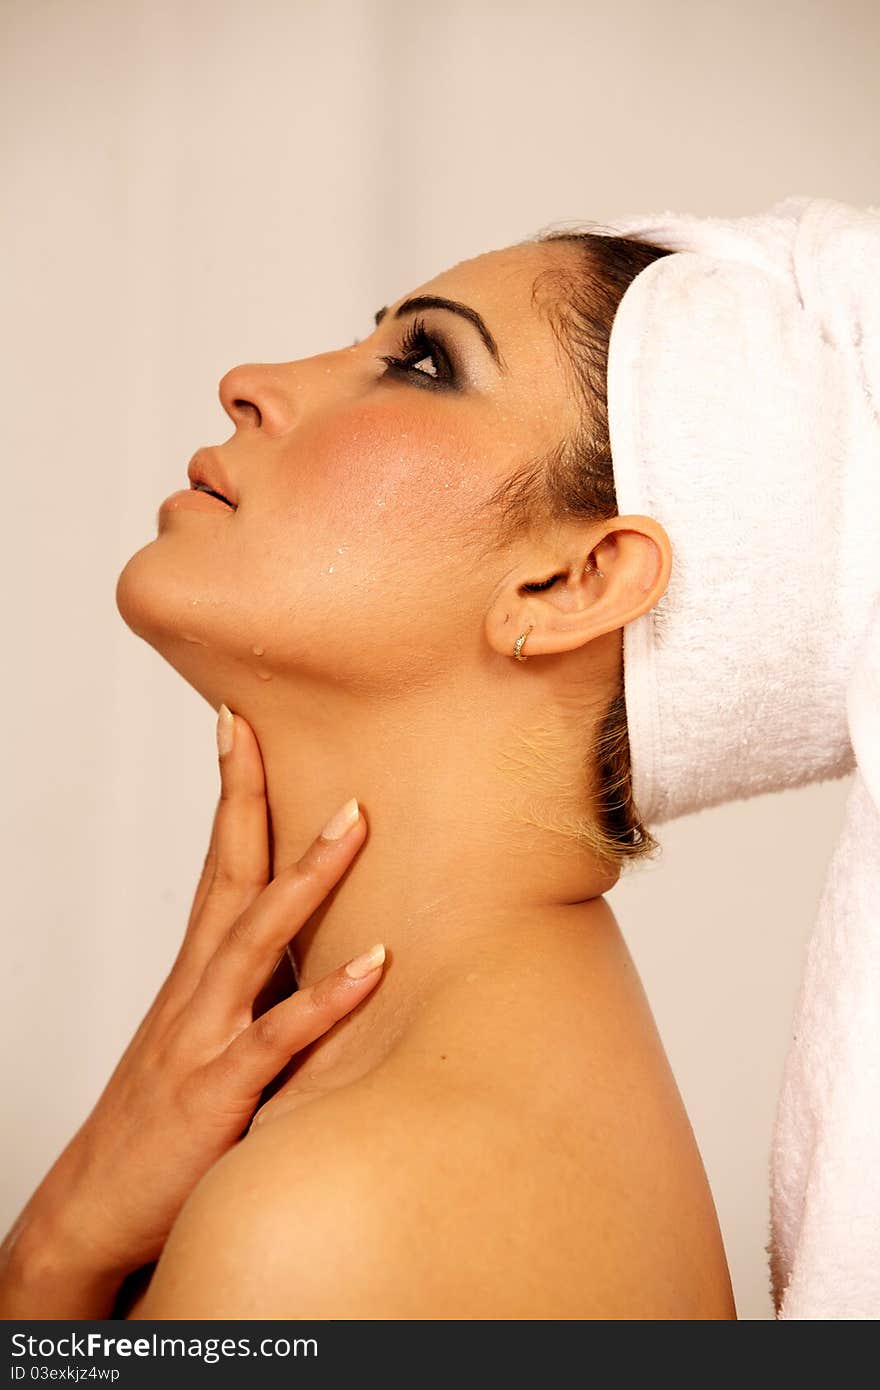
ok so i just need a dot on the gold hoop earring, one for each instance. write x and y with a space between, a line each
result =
518 644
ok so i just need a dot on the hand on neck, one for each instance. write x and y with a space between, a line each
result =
451 874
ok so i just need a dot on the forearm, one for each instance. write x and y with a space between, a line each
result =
48 1271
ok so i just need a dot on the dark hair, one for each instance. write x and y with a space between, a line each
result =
580 296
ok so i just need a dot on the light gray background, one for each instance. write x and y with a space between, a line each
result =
191 185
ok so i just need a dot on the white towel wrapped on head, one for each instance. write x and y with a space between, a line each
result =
744 413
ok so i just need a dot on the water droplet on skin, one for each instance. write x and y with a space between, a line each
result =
331 569
265 675
188 637
258 651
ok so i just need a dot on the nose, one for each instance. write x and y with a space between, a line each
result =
254 397
275 396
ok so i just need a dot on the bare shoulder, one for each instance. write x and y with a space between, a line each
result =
390 1199
342 1208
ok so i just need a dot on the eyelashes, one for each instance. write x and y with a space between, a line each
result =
417 344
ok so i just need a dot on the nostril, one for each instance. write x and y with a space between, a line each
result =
245 406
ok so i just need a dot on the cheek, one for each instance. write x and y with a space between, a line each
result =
376 477
358 531
369 542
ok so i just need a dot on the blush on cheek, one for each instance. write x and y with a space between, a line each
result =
378 464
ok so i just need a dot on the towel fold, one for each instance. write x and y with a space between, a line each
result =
744 412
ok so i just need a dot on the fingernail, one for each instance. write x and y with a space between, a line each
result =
363 965
341 820
225 730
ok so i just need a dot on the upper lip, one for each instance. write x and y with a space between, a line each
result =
205 467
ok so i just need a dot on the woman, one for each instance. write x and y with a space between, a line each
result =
413 595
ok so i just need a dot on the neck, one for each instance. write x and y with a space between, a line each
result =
459 867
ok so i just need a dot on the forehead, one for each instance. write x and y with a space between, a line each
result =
514 284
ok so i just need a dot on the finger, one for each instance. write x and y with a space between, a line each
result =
259 1052
237 866
242 839
207 873
210 862
253 943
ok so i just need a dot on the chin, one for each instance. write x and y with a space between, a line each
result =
172 609
138 594
153 601
158 605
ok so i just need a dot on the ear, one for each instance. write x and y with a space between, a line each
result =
601 578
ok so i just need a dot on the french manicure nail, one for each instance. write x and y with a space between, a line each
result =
225 730
362 965
342 820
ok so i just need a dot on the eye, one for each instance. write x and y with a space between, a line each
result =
416 348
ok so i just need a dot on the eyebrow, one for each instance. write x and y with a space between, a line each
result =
435 301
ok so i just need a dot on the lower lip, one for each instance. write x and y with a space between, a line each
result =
193 500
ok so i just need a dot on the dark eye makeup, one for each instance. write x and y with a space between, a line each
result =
416 345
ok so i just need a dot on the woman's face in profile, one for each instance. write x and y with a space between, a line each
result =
355 552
